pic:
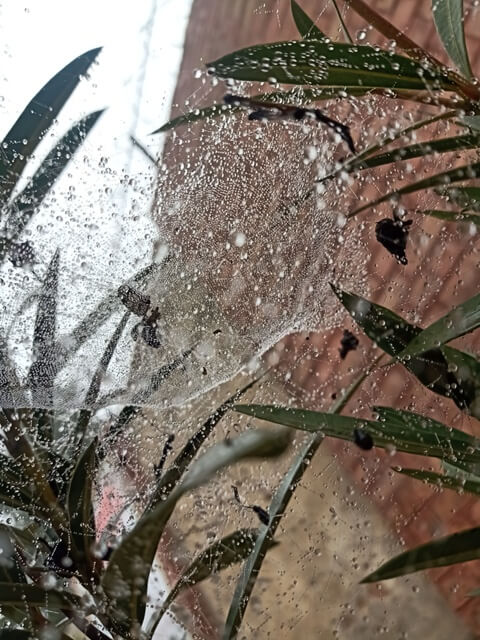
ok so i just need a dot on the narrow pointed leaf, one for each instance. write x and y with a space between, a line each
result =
420 149
442 481
448 18
408 432
463 319
467 197
459 174
176 470
393 334
473 122
220 555
80 501
126 577
24 206
42 372
320 63
306 27
278 506
452 216
17 594
459 547
23 138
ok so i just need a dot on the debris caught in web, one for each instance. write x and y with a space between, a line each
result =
362 439
393 234
349 342
263 515
262 110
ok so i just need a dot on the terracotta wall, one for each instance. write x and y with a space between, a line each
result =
443 270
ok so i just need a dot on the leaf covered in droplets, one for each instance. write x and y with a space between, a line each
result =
321 63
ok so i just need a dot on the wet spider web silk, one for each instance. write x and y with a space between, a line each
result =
242 259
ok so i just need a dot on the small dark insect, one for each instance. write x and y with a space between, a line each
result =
262 110
393 234
262 515
362 439
348 343
217 331
139 304
204 371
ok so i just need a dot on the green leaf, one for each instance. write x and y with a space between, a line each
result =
392 334
405 431
459 174
20 143
80 502
452 549
463 319
174 473
21 210
280 500
126 577
17 594
467 197
306 27
41 375
220 555
442 481
466 369
452 216
16 634
448 18
320 63
420 149
94 388
473 122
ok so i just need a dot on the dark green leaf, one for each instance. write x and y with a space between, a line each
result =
23 138
42 372
320 63
442 481
473 122
80 501
174 473
280 500
438 180
459 547
452 216
220 555
420 149
158 378
467 197
306 27
463 319
23 207
448 18
392 334
126 577
402 430
16 594
466 369
16 634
